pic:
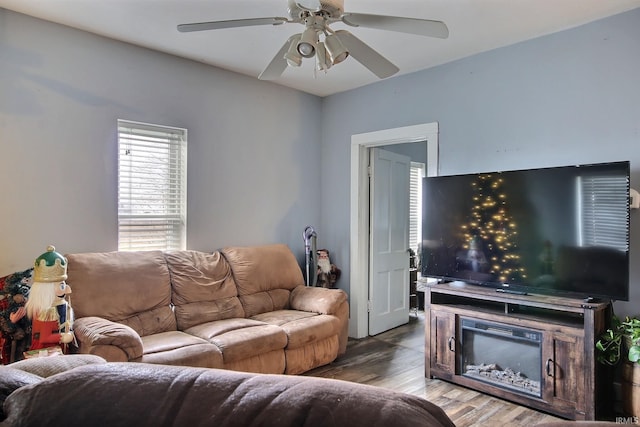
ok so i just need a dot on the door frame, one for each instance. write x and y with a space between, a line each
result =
359 209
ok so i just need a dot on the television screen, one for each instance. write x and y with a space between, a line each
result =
561 230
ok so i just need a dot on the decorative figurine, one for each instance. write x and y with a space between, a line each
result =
328 274
47 306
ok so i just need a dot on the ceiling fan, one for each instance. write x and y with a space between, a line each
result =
328 46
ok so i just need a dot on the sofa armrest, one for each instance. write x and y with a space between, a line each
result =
47 366
317 300
96 332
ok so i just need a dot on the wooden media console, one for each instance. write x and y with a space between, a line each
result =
535 350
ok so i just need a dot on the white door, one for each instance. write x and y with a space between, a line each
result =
389 241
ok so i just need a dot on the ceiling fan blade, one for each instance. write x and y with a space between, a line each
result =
278 64
361 52
233 23
421 27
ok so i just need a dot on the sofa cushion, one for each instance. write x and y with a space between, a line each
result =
203 288
179 348
312 338
264 275
241 338
131 288
264 302
302 327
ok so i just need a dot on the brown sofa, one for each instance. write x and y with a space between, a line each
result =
96 393
241 308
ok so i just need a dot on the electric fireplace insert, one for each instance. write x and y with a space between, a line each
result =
502 355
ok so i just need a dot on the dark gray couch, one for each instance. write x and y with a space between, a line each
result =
140 394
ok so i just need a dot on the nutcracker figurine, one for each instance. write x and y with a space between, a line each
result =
48 307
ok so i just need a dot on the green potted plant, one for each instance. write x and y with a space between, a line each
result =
621 342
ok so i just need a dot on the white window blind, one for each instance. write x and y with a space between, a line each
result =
152 183
417 172
605 211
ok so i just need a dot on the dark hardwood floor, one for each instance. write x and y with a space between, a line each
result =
395 360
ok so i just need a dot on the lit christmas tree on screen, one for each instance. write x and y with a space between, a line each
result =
490 233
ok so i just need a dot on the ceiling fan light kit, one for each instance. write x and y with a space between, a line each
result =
316 16
336 49
293 58
307 43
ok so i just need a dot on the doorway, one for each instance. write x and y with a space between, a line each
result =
359 208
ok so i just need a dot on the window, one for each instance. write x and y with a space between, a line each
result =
417 172
152 183
605 213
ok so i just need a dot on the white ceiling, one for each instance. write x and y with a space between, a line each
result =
474 25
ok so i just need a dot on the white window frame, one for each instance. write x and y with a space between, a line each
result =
152 187
417 173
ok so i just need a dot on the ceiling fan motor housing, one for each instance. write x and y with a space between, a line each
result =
333 8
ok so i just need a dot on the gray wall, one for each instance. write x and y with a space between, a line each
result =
568 98
253 149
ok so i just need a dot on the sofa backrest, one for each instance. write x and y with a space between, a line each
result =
132 288
264 276
203 288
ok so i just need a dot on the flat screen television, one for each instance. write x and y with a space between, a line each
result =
560 230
